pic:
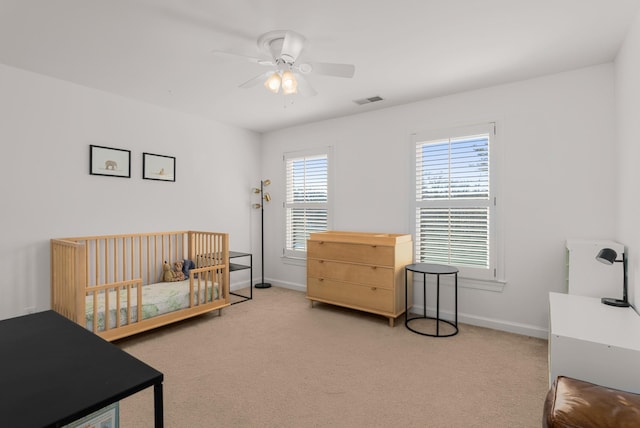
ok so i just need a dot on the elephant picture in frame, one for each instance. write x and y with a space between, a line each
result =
109 161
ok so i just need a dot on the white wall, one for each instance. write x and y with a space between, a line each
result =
557 138
47 192
627 68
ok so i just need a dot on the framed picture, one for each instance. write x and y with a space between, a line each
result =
109 161
158 167
108 417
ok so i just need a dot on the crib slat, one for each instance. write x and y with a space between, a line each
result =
162 249
106 260
115 260
139 303
191 304
96 245
118 307
95 312
126 246
139 259
107 312
129 305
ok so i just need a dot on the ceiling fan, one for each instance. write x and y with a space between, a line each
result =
284 49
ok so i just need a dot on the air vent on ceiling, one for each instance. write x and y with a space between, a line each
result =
369 100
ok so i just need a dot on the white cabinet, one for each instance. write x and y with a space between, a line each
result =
594 342
588 277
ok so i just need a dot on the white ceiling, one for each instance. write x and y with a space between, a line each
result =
160 51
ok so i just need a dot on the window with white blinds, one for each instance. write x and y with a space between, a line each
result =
307 198
454 200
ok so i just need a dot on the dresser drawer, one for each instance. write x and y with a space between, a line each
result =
351 295
357 253
362 274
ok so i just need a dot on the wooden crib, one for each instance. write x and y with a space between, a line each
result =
113 286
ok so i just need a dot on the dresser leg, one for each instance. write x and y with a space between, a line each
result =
391 321
311 303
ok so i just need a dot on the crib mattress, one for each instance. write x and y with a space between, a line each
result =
157 299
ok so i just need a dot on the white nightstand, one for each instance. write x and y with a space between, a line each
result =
594 342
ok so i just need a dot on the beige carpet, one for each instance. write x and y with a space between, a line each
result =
276 362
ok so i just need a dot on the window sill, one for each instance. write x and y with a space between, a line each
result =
481 284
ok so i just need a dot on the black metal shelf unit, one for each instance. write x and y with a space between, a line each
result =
235 267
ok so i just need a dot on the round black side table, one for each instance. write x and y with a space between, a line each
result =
432 269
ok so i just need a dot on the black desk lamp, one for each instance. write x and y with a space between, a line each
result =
608 257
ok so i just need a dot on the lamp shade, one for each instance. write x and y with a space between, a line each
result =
273 83
289 84
607 256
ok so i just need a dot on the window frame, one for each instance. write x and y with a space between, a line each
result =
491 278
301 255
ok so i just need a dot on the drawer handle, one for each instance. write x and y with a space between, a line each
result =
374 246
320 279
321 261
374 267
374 288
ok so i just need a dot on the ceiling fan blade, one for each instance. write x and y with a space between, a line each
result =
304 87
292 46
243 57
260 78
329 69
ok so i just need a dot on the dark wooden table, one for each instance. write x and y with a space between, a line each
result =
53 372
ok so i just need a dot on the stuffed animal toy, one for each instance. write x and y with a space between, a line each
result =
171 275
178 274
167 273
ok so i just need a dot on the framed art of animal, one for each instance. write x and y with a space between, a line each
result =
109 161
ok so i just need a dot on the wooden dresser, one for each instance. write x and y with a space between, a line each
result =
357 270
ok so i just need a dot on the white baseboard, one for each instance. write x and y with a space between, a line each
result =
276 283
290 286
239 285
493 323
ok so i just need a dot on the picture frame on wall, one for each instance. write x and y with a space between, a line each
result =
158 167
109 161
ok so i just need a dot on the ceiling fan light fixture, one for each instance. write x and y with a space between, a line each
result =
273 83
284 48
289 83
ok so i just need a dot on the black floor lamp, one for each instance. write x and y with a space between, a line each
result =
264 197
